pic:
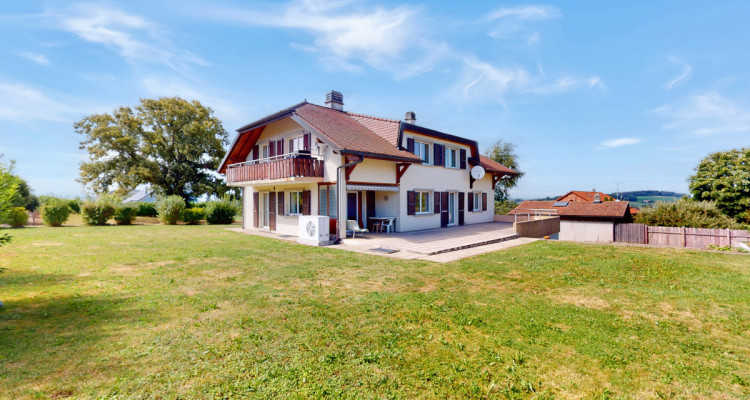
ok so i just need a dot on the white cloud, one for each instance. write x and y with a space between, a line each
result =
707 114
343 36
133 37
527 12
613 143
21 103
37 58
684 75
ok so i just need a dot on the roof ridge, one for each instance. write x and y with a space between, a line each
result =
372 117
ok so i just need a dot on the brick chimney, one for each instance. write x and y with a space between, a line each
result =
335 100
410 118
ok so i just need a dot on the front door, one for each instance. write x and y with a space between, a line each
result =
266 210
452 220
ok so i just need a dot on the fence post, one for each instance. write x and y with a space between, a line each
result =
684 237
729 237
645 234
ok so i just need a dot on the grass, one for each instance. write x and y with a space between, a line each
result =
200 312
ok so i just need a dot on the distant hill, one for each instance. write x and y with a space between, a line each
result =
637 195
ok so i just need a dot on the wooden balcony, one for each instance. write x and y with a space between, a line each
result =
281 169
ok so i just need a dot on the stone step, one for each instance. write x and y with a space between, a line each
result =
469 245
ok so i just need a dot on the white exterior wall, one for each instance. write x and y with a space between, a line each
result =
587 231
371 170
285 224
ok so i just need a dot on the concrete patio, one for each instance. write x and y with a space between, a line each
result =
441 245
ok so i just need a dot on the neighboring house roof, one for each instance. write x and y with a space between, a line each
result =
139 195
352 133
580 209
588 196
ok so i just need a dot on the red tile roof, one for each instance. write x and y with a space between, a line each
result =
494 166
604 210
587 196
386 128
349 134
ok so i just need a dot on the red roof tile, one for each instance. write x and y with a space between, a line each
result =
383 127
349 134
587 196
607 209
494 166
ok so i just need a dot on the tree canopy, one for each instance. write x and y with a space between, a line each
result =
686 212
170 143
724 177
505 154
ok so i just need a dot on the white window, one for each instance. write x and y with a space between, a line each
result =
423 202
477 201
422 150
296 144
451 157
295 203
264 151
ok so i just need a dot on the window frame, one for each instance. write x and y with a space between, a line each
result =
454 158
428 203
292 140
265 148
419 145
295 194
477 201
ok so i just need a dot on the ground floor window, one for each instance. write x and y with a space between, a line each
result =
477 201
423 202
295 203
327 200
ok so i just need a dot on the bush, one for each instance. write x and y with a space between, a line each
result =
503 207
97 213
193 216
146 210
221 212
55 212
687 213
170 209
125 214
75 206
17 217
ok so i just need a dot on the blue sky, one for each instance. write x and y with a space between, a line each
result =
593 94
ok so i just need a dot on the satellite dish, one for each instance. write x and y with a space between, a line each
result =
477 172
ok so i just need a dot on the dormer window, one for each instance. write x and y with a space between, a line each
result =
422 150
451 157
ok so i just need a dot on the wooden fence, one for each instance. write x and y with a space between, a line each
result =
696 238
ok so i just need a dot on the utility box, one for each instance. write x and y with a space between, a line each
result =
314 230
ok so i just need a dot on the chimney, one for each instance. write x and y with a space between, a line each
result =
597 198
335 100
410 118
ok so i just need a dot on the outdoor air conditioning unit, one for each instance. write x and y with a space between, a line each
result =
313 230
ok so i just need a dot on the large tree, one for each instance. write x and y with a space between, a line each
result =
724 177
505 153
170 143
8 190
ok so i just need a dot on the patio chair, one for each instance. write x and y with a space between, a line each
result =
388 225
353 227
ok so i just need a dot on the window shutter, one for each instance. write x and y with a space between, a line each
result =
307 141
280 208
272 211
461 204
462 156
410 145
256 151
471 202
370 204
439 151
272 149
305 202
444 211
280 147
484 201
411 202
436 204
256 207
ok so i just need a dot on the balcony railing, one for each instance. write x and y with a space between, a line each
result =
276 168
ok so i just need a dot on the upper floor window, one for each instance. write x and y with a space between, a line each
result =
264 152
296 144
451 157
422 150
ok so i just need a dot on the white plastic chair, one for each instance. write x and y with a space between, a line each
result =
388 225
353 227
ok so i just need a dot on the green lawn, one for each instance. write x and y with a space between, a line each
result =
200 312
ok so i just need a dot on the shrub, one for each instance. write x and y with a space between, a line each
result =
221 212
55 212
17 217
687 213
75 206
125 214
170 209
503 207
146 210
193 216
97 213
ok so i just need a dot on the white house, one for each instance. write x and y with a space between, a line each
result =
314 160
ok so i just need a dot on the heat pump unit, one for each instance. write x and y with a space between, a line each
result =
313 230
